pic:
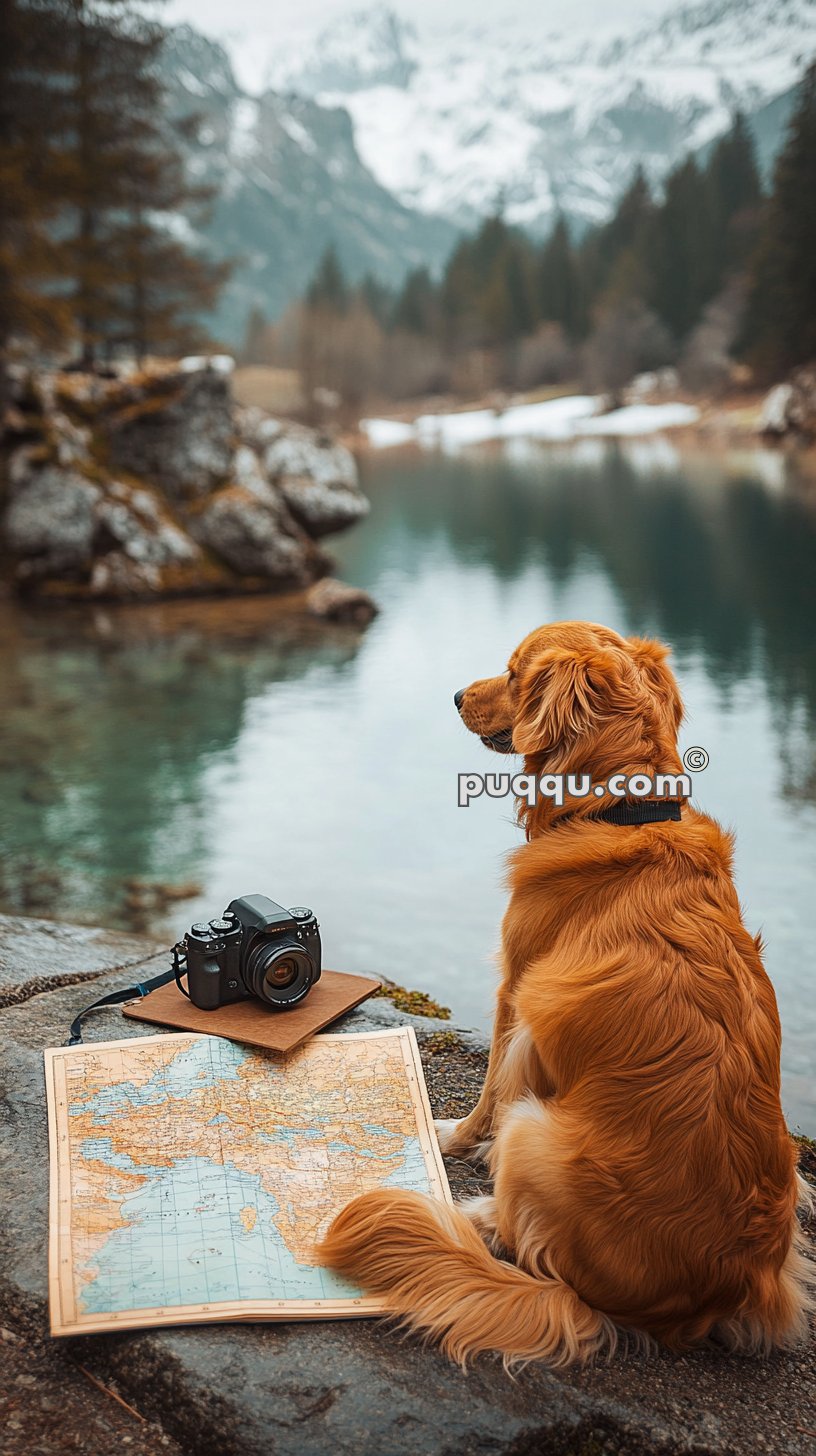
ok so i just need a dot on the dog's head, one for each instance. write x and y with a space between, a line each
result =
579 696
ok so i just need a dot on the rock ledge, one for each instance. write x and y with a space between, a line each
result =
155 485
305 1389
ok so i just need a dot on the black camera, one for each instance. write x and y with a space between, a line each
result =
255 949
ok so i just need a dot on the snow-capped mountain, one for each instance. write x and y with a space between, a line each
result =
383 140
449 121
287 181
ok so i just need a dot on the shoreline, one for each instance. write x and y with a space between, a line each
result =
691 424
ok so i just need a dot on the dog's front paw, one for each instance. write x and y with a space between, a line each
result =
457 1140
446 1128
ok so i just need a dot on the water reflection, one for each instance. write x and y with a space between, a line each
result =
718 564
242 748
111 719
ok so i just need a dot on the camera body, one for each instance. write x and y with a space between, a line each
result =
255 950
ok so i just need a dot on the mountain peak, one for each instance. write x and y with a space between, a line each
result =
355 52
552 118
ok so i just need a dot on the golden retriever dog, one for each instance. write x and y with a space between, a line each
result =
644 1181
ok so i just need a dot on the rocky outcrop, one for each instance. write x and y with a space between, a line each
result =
254 533
179 436
51 519
318 485
156 484
790 408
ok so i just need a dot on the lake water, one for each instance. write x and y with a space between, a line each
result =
226 744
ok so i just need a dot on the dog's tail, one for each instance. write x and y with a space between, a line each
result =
431 1267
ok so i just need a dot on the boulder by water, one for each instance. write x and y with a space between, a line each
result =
157 484
336 601
318 480
790 407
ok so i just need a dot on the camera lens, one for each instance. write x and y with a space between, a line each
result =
280 975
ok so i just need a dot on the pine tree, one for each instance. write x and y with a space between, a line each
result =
735 197
780 328
626 229
484 289
377 299
94 176
518 282
96 98
488 245
733 168
134 283
328 289
678 250
559 298
486 297
254 336
417 308
161 284
31 37
505 299
612 259
460 285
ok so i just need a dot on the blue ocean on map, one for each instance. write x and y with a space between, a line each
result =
186 1242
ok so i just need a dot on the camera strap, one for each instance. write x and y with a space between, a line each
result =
132 993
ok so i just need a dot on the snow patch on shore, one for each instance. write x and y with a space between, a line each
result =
569 418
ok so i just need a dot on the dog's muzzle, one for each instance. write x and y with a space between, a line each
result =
500 742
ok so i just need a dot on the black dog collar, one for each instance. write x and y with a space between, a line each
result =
640 811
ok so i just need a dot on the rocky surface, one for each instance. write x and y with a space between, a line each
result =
790 408
50 1402
38 955
304 1389
179 437
155 484
321 493
256 535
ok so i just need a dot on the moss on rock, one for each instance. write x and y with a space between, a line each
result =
441 1042
807 1157
414 1003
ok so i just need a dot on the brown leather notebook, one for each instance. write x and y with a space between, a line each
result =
251 1021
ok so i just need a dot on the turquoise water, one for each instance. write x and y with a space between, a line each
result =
227 745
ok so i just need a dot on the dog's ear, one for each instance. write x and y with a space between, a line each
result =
652 660
563 694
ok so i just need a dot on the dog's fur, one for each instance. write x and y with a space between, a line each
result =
644 1178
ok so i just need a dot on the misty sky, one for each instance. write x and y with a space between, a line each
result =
255 29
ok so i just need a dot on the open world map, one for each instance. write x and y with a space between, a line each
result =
192 1176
